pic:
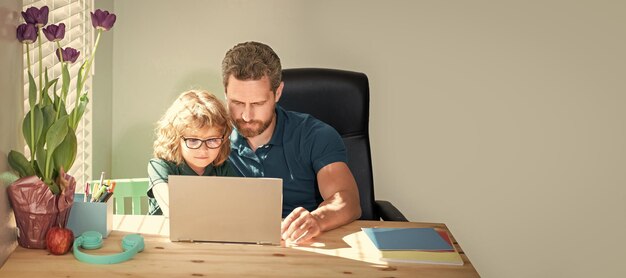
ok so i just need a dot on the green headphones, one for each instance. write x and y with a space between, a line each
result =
132 244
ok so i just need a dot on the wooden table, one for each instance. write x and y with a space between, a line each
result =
344 252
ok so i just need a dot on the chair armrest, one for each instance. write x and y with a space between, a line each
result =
389 212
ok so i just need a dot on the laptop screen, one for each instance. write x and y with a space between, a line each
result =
225 209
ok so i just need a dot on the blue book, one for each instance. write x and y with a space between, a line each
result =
426 239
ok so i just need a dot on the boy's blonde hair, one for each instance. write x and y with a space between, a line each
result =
192 109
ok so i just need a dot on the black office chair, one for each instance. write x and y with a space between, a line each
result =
341 99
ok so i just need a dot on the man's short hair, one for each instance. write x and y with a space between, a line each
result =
251 61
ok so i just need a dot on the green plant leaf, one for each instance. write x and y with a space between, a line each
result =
32 91
63 109
20 164
78 111
65 78
44 98
79 81
65 153
40 162
57 98
37 169
52 185
47 99
60 108
37 129
56 135
48 119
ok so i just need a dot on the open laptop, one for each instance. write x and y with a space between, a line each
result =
225 209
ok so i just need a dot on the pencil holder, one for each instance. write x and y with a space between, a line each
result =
90 216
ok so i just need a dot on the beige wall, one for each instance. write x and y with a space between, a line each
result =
10 114
102 99
506 121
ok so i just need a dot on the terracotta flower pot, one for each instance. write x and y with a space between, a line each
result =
37 209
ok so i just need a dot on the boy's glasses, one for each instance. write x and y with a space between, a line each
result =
211 143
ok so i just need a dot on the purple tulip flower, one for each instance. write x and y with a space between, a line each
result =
102 20
39 17
26 33
69 54
54 33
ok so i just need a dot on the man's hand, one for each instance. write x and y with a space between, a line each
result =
340 206
299 226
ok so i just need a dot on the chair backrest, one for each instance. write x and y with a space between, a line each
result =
341 99
130 196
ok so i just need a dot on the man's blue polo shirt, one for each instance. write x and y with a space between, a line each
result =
300 146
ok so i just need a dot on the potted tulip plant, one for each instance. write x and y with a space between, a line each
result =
43 195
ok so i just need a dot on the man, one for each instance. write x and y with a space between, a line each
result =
271 142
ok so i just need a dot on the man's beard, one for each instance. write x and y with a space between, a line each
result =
252 132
